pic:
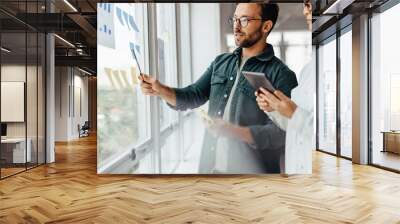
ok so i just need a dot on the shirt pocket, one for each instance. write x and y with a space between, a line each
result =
218 78
218 82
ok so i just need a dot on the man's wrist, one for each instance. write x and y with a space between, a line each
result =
168 94
292 111
242 133
165 91
162 90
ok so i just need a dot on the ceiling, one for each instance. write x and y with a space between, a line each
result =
329 16
76 22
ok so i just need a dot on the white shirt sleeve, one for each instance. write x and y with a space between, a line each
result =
278 119
299 142
302 122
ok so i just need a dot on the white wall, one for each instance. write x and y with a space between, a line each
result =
70 83
33 126
12 73
61 103
205 34
82 82
81 94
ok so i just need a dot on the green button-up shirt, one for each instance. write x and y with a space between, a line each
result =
216 84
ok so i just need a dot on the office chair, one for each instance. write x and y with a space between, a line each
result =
84 130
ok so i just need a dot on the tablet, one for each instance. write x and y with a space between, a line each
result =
258 79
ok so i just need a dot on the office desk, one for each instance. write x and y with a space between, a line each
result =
391 141
13 150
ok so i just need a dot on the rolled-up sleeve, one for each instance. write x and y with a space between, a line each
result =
278 119
302 122
195 94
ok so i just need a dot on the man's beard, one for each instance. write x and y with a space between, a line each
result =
250 40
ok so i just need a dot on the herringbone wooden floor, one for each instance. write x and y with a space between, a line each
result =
70 191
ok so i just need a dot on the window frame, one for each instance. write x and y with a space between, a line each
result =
152 146
40 51
134 152
379 10
337 38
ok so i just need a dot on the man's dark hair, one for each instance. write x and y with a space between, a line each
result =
269 11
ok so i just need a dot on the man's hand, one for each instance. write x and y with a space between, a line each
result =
262 103
221 128
218 127
150 85
279 102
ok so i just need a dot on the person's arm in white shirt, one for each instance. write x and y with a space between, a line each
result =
278 119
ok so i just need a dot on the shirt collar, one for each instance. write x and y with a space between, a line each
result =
266 55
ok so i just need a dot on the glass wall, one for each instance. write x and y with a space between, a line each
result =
41 98
187 139
167 73
167 64
327 96
15 151
31 100
346 93
123 111
385 89
118 134
22 91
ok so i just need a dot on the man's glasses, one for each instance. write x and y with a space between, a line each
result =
243 21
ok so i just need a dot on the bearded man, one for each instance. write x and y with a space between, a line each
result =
242 138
